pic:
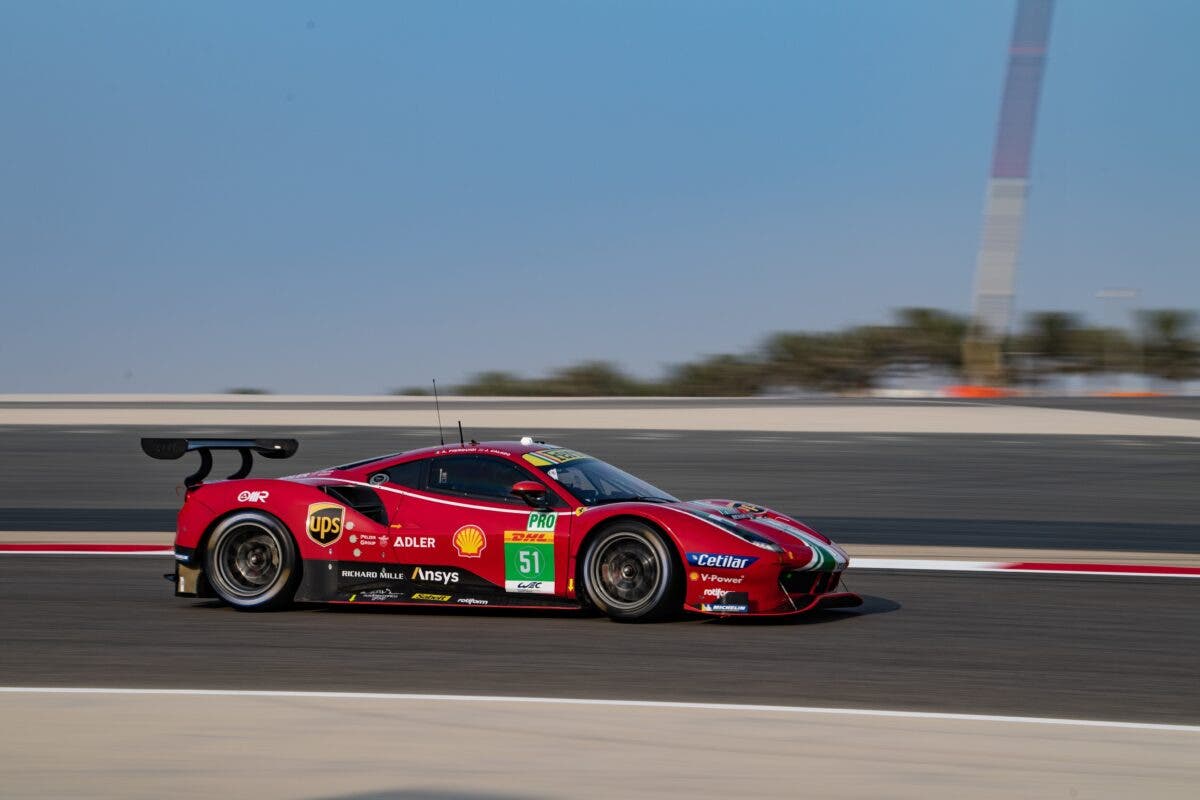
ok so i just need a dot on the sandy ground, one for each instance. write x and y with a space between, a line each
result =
139 746
958 419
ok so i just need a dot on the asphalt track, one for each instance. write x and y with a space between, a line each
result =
1066 492
1027 645
1057 646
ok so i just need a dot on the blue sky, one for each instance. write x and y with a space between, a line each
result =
351 197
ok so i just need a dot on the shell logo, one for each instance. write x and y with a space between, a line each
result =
694 576
469 541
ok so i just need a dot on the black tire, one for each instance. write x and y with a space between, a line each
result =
251 562
630 572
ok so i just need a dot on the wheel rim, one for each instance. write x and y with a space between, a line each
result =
248 560
626 572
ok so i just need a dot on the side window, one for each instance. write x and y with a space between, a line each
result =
407 474
481 477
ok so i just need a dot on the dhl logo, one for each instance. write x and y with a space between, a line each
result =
528 537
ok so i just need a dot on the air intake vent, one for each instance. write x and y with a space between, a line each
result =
361 499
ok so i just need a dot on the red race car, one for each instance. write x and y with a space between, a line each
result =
505 524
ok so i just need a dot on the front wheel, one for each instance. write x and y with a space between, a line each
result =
631 574
251 562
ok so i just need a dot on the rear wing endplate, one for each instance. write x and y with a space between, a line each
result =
171 449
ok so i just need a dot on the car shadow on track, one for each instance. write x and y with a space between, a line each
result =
871 605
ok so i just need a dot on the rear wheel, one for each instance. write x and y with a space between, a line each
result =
251 562
630 573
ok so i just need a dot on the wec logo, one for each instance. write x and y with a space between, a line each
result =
253 497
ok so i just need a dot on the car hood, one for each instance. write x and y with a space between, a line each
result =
803 546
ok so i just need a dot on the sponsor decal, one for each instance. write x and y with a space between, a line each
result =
442 576
541 521
694 576
381 574
529 562
710 578
472 601
725 608
253 497
533 537
324 523
714 593
580 510
376 595
570 584
431 598
417 542
736 510
727 602
720 560
548 458
378 478
395 525
469 541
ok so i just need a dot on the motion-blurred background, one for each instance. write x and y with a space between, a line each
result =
597 198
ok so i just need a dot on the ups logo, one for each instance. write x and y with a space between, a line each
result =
325 522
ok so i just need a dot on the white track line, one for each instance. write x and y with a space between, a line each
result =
739 707
895 564
948 565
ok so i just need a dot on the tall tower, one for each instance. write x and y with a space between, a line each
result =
1007 189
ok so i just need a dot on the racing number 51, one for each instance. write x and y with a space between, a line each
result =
530 562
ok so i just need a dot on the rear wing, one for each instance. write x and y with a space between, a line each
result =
171 449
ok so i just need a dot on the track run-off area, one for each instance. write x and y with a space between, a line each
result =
948 682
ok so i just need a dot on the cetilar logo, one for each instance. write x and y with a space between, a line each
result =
720 560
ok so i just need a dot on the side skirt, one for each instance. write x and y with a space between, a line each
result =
412 585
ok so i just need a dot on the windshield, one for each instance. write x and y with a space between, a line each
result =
593 482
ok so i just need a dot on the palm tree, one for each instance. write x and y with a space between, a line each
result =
1169 347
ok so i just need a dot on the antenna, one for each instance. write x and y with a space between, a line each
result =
438 407
460 436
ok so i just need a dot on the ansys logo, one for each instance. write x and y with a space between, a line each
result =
325 523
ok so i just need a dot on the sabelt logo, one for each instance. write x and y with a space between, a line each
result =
444 577
325 522
431 598
469 541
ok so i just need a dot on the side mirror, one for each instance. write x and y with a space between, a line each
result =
532 492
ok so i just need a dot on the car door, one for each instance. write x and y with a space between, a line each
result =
488 541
